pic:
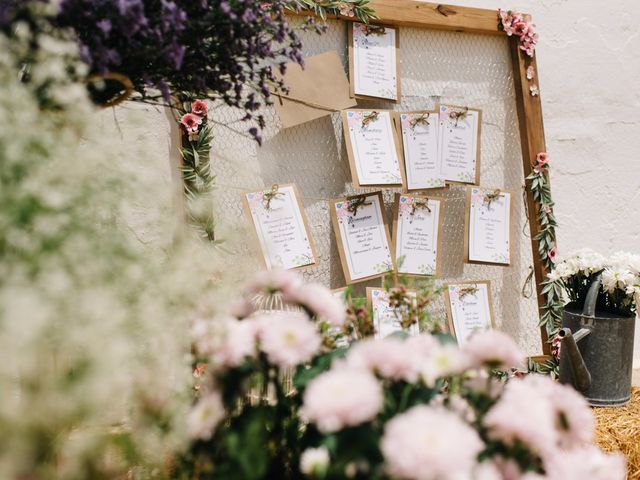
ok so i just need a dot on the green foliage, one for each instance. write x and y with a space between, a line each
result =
358 8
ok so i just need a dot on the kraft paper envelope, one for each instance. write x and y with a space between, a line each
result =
319 89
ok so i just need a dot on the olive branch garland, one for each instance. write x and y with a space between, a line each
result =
551 317
348 8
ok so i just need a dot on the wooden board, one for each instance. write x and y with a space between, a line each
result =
413 13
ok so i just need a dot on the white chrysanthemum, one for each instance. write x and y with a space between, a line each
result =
314 461
205 416
342 398
288 338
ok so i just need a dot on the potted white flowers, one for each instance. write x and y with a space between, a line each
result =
600 297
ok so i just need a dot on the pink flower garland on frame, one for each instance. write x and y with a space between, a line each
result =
514 23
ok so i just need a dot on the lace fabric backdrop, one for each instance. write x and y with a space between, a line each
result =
436 66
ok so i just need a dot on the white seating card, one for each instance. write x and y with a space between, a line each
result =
281 227
386 319
374 61
362 236
469 309
420 146
459 144
488 226
372 147
416 234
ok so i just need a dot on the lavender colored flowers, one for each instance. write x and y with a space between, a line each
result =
209 48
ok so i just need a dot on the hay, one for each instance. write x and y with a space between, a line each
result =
618 430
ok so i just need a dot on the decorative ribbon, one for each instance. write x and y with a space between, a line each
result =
270 195
355 203
491 196
375 30
467 291
422 119
371 117
420 203
458 114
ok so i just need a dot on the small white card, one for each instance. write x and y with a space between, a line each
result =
281 227
362 236
416 234
372 148
374 61
459 144
420 145
386 319
469 309
488 226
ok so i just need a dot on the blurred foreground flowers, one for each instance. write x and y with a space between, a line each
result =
93 366
276 402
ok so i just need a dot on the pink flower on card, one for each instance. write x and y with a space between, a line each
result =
199 107
342 209
191 122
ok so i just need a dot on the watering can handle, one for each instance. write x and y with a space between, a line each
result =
589 309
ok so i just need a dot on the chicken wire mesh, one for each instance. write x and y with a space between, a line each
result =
448 67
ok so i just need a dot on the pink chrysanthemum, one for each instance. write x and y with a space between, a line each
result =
319 300
429 443
238 343
342 398
493 349
288 338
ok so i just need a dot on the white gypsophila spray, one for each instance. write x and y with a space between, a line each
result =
95 374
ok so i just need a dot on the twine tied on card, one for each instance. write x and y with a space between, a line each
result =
355 203
419 203
270 195
491 196
375 30
457 114
472 290
422 119
368 118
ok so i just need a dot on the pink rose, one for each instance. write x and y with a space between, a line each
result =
199 107
542 158
521 28
553 254
191 122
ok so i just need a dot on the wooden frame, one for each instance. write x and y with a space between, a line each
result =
394 235
418 14
447 303
305 221
467 225
340 240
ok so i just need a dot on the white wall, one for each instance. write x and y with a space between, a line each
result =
589 77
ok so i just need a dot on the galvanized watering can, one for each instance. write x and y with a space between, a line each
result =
596 355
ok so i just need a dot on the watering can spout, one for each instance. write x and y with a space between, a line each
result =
581 375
